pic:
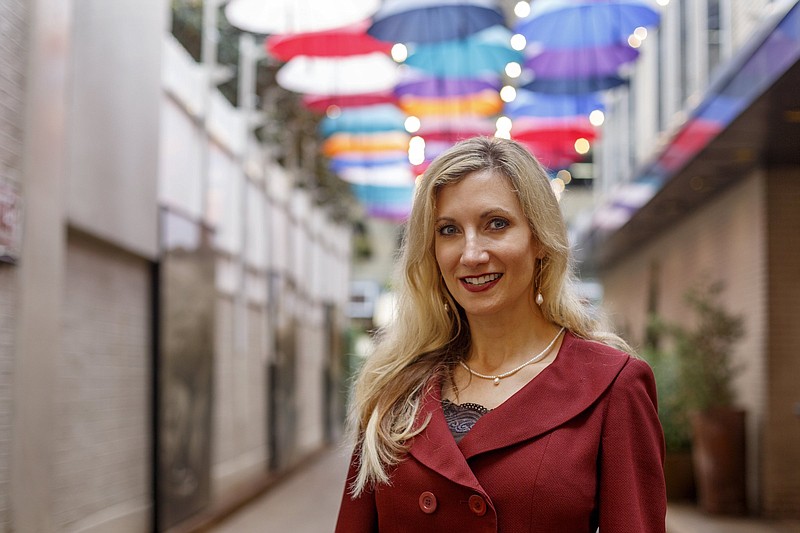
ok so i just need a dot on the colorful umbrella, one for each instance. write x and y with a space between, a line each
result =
340 143
584 62
341 75
484 103
531 104
485 52
553 131
397 175
574 85
367 160
368 119
416 83
454 128
428 21
296 16
342 42
321 103
584 23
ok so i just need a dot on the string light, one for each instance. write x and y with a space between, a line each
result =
522 9
597 117
513 70
412 124
508 94
518 42
399 52
582 146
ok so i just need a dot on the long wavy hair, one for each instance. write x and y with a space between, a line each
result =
425 340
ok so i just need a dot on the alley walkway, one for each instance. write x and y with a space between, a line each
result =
308 502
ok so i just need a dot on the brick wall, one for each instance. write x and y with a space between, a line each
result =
13 34
725 240
101 477
782 420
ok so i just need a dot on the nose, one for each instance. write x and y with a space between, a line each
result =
474 252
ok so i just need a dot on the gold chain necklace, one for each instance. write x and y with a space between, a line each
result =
496 378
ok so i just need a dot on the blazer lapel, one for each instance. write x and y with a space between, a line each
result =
436 448
580 374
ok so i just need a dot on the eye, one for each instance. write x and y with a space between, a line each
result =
446 229
498 223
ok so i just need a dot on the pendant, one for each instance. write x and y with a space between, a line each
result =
496 381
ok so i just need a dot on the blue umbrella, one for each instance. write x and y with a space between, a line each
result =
367 119
485 52
428 21
581 23
574 86
531 104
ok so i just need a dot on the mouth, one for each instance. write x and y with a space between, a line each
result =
481 281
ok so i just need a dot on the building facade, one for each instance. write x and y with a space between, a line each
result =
172 306
698 182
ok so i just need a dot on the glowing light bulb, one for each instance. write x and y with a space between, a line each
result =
399 52
518 42
503 124
513 70
522 9
564 176
333 111
641 33
596 118
634 41
508 94
412 124
582 146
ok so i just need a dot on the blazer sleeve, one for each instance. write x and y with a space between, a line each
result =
356 515
632 492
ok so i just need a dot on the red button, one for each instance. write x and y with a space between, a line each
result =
477 505
427 502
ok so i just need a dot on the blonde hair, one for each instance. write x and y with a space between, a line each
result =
424 340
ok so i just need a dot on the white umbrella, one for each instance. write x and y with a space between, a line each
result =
297 16
358 74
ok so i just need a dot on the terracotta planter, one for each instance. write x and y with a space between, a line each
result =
718 453
679 475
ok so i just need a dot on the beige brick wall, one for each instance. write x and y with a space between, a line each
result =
13 53
781 496
726 241
102 465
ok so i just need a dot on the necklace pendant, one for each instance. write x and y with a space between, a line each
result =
496 381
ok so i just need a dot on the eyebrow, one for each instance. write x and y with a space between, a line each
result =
485 214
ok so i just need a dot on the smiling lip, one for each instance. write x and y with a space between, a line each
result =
480 283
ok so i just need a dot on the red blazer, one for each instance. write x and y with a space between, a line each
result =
578 447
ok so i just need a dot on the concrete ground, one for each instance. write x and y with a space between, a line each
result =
308 502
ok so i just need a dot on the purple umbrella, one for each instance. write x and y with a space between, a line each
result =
427 86
591 61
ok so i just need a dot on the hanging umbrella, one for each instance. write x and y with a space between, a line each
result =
396 175
454 128
296 16
367 119
532 104
367 160
574 85
583 62
341 42
341 75
554 129
485 52
416 83
484 103
428 21
340 143
321 103
581 23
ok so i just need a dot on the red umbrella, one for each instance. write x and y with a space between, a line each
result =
321 103
347 41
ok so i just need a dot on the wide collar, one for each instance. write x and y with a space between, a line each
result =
580 374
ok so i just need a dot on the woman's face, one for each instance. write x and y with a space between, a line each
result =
484 247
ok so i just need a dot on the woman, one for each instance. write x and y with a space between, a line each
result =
493 402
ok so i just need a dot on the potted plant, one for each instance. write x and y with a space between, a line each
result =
704 384
673 415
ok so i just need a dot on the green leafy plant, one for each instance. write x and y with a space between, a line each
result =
695 371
